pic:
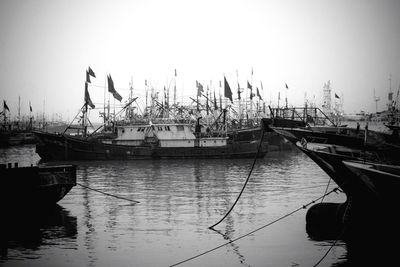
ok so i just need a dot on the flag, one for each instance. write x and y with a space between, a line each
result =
390 96
112 90
251 90
165 98
91 73
336 96
87 77
30 107
5 105
199 88
227 90
258 94
88 101
238 91
249 85
286 86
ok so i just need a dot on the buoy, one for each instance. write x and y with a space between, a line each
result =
325 220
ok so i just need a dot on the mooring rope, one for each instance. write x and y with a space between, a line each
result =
256 230
331 246
96 190
247 180
326 188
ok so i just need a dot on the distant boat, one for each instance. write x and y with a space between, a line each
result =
14 133
35 186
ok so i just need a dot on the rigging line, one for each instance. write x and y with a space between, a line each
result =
331 246
256 230
134 201
326 189
245 183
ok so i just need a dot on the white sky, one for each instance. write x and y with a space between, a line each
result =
47 45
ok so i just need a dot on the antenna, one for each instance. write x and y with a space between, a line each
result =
376 99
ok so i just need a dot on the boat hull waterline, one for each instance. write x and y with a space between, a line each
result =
66 147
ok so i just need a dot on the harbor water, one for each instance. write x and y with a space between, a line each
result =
178 201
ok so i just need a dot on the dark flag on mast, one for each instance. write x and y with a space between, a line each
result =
336 96
88 101
112 90
200 89
87 77
5 105
91 73
227 90
30 107
251 89
258 94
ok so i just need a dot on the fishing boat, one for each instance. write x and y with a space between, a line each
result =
13 133
363 163
35 186
158 134
147 141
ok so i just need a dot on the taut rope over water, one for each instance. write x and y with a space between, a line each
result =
96 190
258 229
244 186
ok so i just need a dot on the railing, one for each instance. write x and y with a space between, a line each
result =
309 115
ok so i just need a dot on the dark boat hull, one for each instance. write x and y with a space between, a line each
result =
65 147
35 186
15 138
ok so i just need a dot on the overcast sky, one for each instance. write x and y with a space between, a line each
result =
47 45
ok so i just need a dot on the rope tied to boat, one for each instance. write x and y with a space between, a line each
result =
258 229
247 180
111 195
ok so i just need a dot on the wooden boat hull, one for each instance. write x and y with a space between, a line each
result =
38 185
65 147
382 179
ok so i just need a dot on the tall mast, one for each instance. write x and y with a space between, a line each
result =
104 100
240 100
19 110
175 89
251 95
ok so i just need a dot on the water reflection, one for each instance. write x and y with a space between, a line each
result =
25 231
179 200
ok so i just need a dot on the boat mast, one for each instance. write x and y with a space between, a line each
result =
251 95
240 100
84 110
104 101
175 89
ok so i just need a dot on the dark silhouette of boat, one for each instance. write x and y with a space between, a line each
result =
53 146
364 164
35 186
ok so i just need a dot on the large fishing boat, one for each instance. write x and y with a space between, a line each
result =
147 141
162 132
